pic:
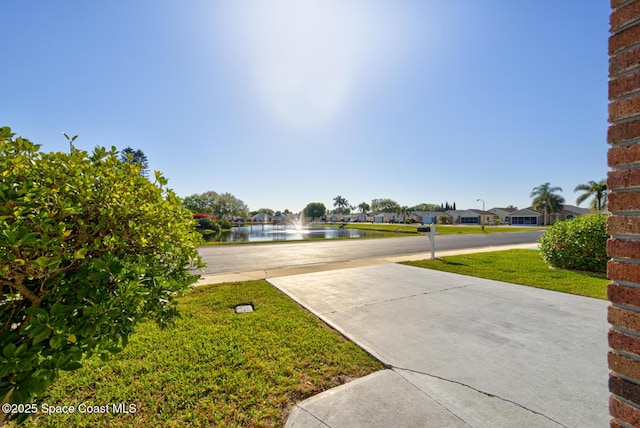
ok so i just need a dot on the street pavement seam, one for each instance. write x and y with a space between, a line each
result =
434 399
302 409
506 400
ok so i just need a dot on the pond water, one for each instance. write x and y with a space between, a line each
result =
269 232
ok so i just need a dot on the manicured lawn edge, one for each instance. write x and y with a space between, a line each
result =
524 267
215 367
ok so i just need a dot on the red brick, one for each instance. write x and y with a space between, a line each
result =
623 225
626 108
624 39
624 62
624 15
623 248
624 388
623 132
616 3
623 272
626 155
624 342
624 412
623 179
624 318
624 85
624 366
615 424
623 202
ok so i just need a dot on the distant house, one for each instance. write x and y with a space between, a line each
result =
526 216
428 217
261 218
503 214
364 217
400 218
568 212
278 218
464 216
384 218
529 216
486 217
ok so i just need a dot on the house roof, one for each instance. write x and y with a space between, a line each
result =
528 212
429 213
483 212
261 216
462 213
508 210
575 209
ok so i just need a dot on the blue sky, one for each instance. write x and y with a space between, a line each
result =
284 102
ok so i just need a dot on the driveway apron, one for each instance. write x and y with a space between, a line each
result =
460 351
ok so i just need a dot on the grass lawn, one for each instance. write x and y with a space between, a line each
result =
215 367
520 267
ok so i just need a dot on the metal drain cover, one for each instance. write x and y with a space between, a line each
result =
243 309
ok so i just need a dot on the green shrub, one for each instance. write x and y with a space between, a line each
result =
444 219
578 244
88 248
225 224
206 222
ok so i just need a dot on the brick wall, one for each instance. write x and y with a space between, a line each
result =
623 182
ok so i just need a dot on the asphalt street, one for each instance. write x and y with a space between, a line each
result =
241 258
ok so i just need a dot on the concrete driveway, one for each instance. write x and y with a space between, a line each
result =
460 351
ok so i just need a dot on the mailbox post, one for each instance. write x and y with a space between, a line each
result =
430 232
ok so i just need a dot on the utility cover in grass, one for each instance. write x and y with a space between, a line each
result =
243 309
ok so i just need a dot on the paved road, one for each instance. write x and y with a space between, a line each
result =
241 258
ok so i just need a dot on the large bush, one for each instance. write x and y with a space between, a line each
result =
88 248
206 222
578 244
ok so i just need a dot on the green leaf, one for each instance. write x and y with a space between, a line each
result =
9 350
37 312
56 341
41 334
42 261
56 309
80 254
74 365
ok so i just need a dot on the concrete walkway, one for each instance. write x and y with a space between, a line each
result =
460 351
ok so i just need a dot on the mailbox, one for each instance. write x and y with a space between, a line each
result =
430 232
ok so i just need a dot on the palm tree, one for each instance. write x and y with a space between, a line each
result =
597 190
404 212
341 203
546 199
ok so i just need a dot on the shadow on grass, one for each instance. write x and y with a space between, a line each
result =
450 263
